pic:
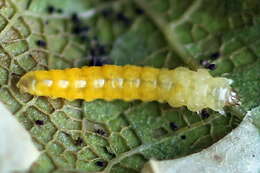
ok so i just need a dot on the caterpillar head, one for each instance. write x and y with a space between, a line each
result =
223 94
199 90
27 83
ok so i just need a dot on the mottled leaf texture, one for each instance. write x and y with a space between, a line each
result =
118 136
247 82
201 29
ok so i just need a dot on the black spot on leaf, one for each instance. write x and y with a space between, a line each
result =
107 12
139 11
173 126
215 56
100 132
183 137
39 122
211 66
101 163
79 141
41 43
74 18
59 10
50 9
121 17
204 114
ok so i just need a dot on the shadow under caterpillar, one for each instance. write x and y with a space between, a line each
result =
178 87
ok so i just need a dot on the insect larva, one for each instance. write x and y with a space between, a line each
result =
178 87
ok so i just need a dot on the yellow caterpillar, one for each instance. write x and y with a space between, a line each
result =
178 87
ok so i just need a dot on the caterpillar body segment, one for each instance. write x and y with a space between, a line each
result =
178 87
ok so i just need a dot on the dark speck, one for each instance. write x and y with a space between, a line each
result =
139 11
204 114
109 152
97 49
215 56
79 29
101 163
183 137
207 64
253 155
84 28
50 9
101 50
84 38
95 61
100 132
59 10
75 18
123 18
173 126
120 16
106 12
112 154
65 133
41 43
211 66
76 30
79 141
92 52
39 122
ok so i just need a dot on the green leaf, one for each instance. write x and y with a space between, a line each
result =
220 157
246 84
119 136
143 44
196 29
